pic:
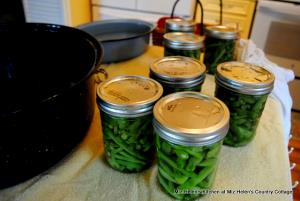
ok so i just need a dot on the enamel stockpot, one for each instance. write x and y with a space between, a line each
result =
46 103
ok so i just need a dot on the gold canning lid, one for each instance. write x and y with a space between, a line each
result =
128 95
245 78
178 71
191 118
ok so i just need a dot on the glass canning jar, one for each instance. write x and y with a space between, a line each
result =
178 73
244 88
126 104
180 25
220 46
183 44
189 129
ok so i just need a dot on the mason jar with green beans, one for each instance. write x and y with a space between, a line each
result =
183 44
126 104
178 73
180 25
220 46
189 129
244 88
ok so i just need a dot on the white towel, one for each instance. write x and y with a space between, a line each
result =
251 54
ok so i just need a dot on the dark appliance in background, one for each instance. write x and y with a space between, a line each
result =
12 11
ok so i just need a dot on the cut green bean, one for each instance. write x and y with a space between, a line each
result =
128 142
217 51
245 112
181 52
194 181
186 168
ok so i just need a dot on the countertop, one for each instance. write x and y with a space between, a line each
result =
258 171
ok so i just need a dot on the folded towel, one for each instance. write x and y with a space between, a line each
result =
251 54
261 167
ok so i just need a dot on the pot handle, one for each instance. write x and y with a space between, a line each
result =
98 78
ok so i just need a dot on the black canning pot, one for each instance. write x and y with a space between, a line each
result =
46 96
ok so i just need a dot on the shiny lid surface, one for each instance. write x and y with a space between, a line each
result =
177 68
185 41
128 94
222 32
191 118
245 78
180 25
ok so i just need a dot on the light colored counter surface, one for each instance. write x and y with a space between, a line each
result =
258 171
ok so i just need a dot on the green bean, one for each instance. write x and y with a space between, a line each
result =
157 142
130 166
134 126
117 150
180 52
182 154
208 162
123 146
245 112
166 187
122 123
192 182
128 157
208 182
217 51
128 140
174 165
193 162
213 152
166 175
181 170
179 178
194 151
181 162
166 148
